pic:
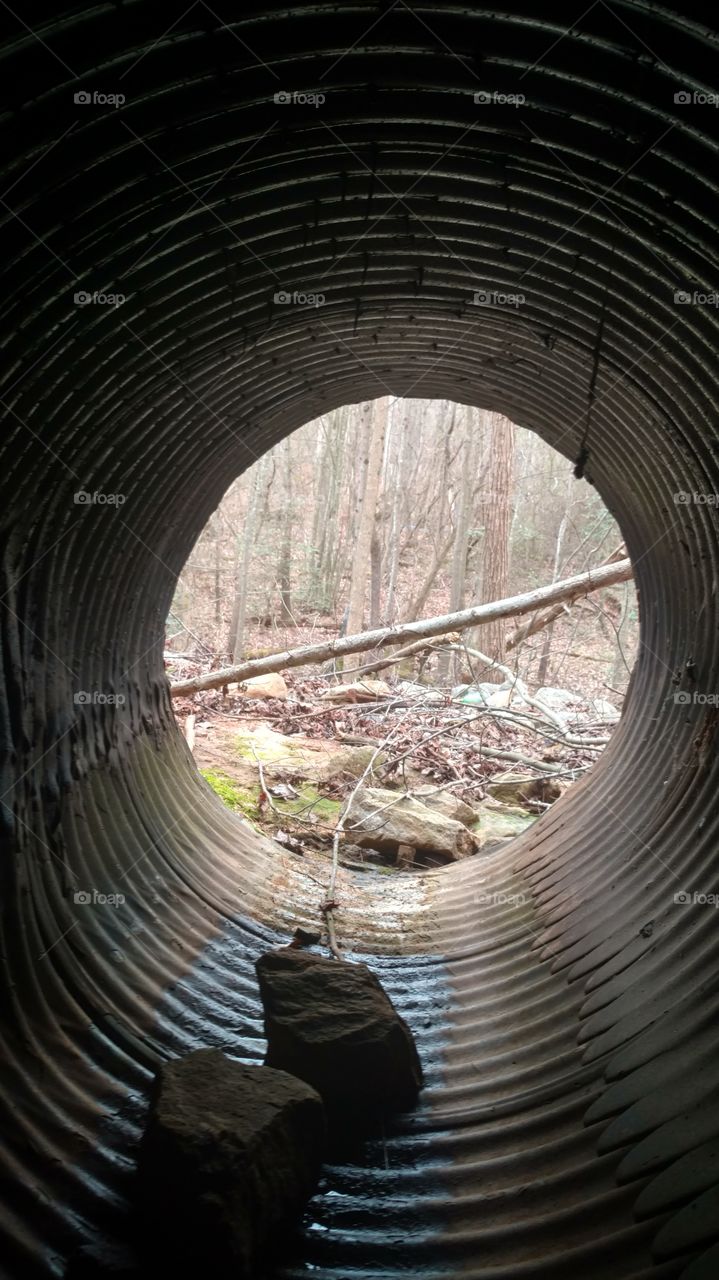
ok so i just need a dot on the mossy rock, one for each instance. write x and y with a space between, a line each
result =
309 803
315 759
499 823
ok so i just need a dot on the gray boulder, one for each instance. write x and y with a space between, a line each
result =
445 802
383 820
510 693
557 699
605 711
332 1024
230 1156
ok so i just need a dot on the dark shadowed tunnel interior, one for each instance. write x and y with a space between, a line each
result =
511 206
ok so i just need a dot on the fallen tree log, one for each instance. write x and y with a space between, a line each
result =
399 655
545 619
569 589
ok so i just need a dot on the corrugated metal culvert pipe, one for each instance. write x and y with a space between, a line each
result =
219 221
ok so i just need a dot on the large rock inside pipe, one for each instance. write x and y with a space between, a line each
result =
229 1158
332 1024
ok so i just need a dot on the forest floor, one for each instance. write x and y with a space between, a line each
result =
289 765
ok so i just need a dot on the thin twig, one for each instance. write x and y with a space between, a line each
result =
281 813
329 905
558 724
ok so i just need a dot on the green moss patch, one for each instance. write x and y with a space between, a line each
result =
310 803
240 799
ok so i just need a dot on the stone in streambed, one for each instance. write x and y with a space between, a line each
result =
446 803
230 1156
384 820
332 1024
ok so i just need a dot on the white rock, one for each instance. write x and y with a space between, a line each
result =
557 699
604 710
424 693
509 693
459 690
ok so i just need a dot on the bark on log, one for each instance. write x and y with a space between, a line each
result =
569 589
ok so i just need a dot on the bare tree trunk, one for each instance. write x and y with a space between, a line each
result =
620 668
545 655
322 472
363 433
333 545
497 525
375 592
377 416
324 538
464 515
239 611
216 531
439 560
442 515
398 508
236 559
284 572
461 532
549 633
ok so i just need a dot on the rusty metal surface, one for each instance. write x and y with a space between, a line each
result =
565 1002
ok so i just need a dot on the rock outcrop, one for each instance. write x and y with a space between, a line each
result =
382 819
446 803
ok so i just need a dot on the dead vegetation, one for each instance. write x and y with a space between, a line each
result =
497 755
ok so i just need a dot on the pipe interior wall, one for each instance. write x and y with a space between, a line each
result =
303 205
